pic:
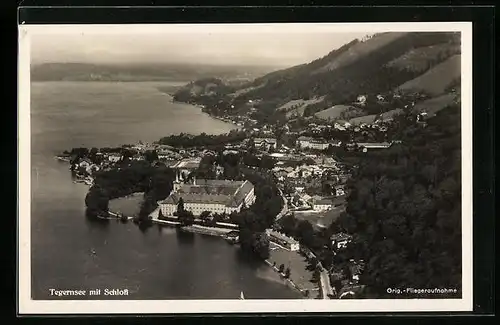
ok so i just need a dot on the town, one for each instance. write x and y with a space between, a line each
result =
308 164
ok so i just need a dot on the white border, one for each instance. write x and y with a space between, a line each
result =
28 306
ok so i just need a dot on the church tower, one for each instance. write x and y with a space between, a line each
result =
177 183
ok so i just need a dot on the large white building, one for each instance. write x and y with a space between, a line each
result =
283 240
311 143
217 196
265 143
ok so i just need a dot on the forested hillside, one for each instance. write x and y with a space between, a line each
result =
404 210
425 63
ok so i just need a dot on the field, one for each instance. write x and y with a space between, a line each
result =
363 119
320 219
390 114
434 105
128 205
417 59
436 80
298 106
335 112
297 263
359 50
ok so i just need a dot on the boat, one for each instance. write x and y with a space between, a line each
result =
92 251
242 297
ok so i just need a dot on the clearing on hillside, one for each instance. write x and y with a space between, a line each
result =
336 111
360 49
436 80
434 105
418 59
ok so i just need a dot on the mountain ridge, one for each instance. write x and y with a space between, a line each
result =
383 64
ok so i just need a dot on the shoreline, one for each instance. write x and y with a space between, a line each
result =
287 282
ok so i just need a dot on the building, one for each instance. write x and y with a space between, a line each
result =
85 163
187 166
340 240
373 145
217 196
323 204
361 100
311 143
114 157
265 143
283 240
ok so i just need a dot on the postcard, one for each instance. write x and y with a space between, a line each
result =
222 168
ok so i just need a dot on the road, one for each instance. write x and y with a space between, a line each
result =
324 279
284 210
326 287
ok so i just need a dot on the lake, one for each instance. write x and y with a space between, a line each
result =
69 251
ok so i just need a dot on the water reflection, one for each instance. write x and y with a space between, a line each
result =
184 237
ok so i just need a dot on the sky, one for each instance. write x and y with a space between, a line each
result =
232 45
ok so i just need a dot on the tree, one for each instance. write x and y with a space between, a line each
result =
97 200
151 156
305 233
261 245
180 206
186 218
204 216
287 273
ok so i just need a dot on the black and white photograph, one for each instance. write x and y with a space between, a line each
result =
285 167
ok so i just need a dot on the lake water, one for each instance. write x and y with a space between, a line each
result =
158 263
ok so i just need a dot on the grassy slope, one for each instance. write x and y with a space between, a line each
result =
419 59
437 79
359 50
333 112
434 105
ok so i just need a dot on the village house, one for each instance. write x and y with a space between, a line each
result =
188 165
85 163
361 100
323 204
311 143
265 143
283 240
373 145
339 190
340 240
115 157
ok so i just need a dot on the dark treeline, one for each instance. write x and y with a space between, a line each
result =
254 220
404 210
367 75
203 140
140 176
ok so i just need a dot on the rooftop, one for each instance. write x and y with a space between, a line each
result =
228 193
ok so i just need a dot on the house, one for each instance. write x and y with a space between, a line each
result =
323 204
283 240
373 145
188 165
335 143
339 191
219 170
164 154
361 100
311 143
138 157
265 143
340 240
85 163
115 157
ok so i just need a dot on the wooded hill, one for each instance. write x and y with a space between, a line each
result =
422 62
